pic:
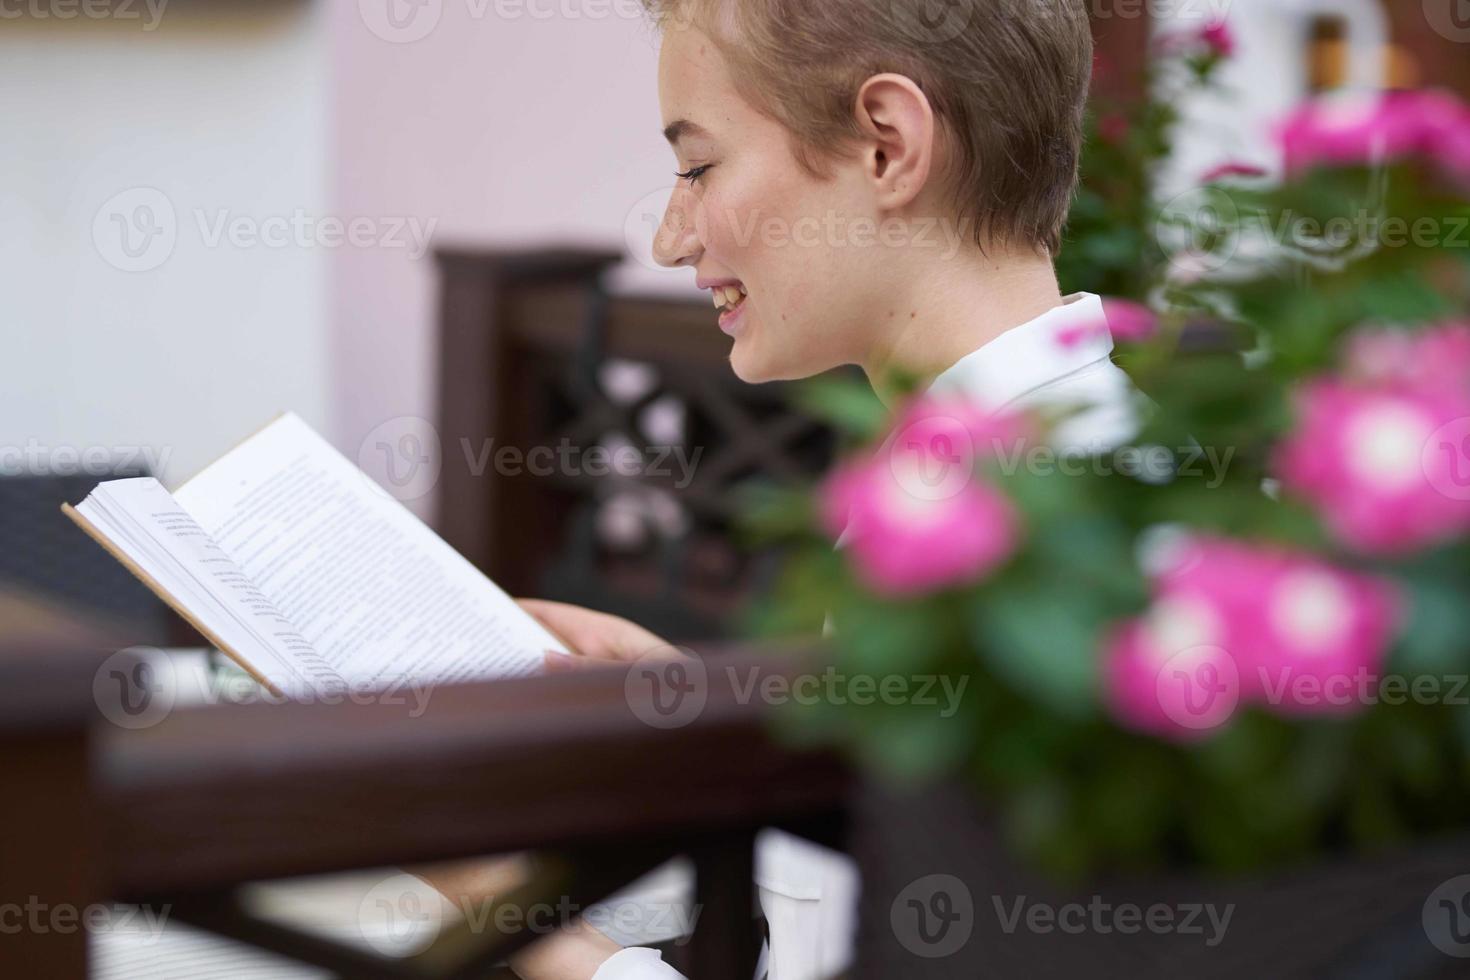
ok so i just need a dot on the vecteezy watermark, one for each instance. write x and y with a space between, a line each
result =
1204 229
402 914
136 230
934 916
407 21
933 458
1445 459
1450 19
1151 464
1198 687
1446 917
139 687
1201 687
658 221
36 458
669 687
932 21
1206 920
39 917
406 457
149 12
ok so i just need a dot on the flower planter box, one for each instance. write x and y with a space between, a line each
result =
943 898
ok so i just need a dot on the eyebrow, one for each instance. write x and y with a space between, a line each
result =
679 128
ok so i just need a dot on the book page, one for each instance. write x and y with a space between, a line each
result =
148 525
379 596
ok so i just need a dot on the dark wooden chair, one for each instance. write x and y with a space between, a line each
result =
185 811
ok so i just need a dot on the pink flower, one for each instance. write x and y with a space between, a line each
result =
1378 128
1215 38
1233 623
1371 460
1219 39
1122 319
917 517
1437 358
1183 694
1130 321
1231 168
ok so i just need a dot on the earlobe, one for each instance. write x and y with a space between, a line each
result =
895 116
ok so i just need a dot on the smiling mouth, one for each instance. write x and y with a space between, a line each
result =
728 298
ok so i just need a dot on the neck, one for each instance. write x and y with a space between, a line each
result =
954 306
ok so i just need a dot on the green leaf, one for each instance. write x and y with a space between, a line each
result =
846 403
1043 642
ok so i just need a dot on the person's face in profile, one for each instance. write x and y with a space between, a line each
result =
751 217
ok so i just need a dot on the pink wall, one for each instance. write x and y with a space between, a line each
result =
497 126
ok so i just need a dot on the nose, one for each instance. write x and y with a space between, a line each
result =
677 241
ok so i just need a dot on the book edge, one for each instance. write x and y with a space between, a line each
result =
153 585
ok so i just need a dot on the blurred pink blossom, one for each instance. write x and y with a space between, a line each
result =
1235 623
1219 38
1123 319
1437 358
1366 458
1216 38
917 516
1376 128
1231 168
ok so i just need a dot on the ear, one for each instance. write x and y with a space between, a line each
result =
898 125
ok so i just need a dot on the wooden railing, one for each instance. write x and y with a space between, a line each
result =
183 812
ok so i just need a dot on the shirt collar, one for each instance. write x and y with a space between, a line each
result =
1062 340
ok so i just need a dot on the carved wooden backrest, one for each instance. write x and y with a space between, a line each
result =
627 441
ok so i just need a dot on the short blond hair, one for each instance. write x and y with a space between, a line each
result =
1007 79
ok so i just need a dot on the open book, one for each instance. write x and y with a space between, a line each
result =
292 561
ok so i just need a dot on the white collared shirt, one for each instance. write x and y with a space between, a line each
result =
1061 359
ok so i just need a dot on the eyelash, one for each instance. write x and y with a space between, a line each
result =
693 174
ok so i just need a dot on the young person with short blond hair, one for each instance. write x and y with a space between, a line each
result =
862 183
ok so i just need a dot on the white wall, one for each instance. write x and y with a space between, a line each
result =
1265 80
521 122
220 108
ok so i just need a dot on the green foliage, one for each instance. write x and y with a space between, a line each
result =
1073 789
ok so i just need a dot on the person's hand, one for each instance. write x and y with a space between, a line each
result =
595 639
574 952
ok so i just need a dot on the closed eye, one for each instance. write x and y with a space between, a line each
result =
693 173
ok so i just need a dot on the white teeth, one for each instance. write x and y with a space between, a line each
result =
718 296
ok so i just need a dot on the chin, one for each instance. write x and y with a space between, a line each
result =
755 366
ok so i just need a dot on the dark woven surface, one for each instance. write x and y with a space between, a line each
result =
45 554
1350 918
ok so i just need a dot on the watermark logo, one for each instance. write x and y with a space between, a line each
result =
1206 920
1446 917
1446 459
400 916
36 458
656 223
407 453
135 688
150 12
1450 19
1199 687
934 916
1199 230
143 923
932 458
933 21
136 230
401 21
667 687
